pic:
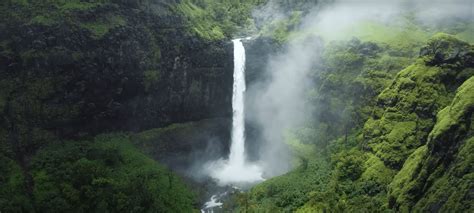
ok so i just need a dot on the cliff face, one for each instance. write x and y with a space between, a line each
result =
70 70
259 51
92 67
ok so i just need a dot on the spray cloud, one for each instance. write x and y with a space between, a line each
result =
279 104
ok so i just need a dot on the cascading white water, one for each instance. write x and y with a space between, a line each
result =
236 170
237 148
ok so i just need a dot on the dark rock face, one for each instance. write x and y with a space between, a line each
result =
143 74
258 51
187 145
194 83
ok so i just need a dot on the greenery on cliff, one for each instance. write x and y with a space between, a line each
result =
218 19
70 70
96 95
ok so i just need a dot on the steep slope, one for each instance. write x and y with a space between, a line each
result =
439 175
405 110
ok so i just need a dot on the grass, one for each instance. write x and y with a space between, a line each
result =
102 26
61 11
78 5
200 21
402 34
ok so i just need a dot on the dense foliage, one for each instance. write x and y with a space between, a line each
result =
390 129
380 144
218 19
104 174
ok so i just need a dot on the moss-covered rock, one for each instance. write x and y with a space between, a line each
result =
405 117
439 175
375 170
403 179
444 49
405 110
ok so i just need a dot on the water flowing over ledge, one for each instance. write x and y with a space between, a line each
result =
236 170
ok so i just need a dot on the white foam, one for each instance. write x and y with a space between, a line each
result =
226 173
212 203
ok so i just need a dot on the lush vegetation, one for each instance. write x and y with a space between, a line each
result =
425 172
215 20
65 68
104 174
218 19
380 145
391 127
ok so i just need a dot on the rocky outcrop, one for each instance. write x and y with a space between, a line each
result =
443 49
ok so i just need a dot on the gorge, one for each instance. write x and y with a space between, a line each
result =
155 106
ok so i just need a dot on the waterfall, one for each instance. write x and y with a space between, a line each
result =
237 149
235 170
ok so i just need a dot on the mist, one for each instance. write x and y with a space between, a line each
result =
278 105
343 15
